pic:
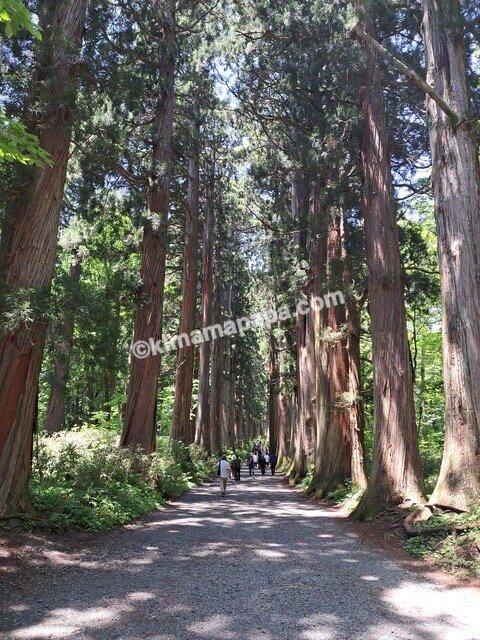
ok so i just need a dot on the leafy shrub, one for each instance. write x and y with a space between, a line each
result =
346 493
171 480
460 553
93 508
306 482
457 554
203 464
419 545
82 478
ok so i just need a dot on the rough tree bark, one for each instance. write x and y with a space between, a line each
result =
291 400
63 348
305 428
236 411
333 465
240 427
285 400
396 473
456 184
249 426
29 239
280 388
355 399
282 429
139 425
202 424
357 415
181 419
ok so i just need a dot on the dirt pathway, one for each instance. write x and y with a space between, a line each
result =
264 563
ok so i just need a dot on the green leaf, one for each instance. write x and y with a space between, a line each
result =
18 145
16 17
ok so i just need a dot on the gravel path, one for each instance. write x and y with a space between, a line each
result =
263 562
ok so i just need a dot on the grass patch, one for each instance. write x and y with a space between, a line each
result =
307 480
455 552
347 494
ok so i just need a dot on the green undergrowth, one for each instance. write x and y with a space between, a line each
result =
347 495
307 480
81 478
344 494
457 552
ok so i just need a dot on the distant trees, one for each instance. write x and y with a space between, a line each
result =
63 348
396 473
322 425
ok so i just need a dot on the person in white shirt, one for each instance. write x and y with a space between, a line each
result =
223 472
255 460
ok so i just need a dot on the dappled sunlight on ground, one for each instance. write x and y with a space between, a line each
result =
262 562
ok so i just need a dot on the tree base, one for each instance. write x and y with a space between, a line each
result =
374 503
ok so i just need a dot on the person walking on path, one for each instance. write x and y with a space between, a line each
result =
251 465
236 468
273 463
255 460
263 463
223 472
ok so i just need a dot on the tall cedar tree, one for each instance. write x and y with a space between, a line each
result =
140 424
182 425
456 185
396 472
29 237
305 429
218 362
202 420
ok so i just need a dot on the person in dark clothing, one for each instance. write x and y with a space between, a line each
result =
263 463
236 468
251 465
273 463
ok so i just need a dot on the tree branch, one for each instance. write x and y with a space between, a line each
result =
190 28
131 178
412 75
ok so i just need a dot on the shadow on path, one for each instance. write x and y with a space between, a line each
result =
263 562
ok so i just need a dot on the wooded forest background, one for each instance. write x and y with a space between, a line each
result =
193 162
